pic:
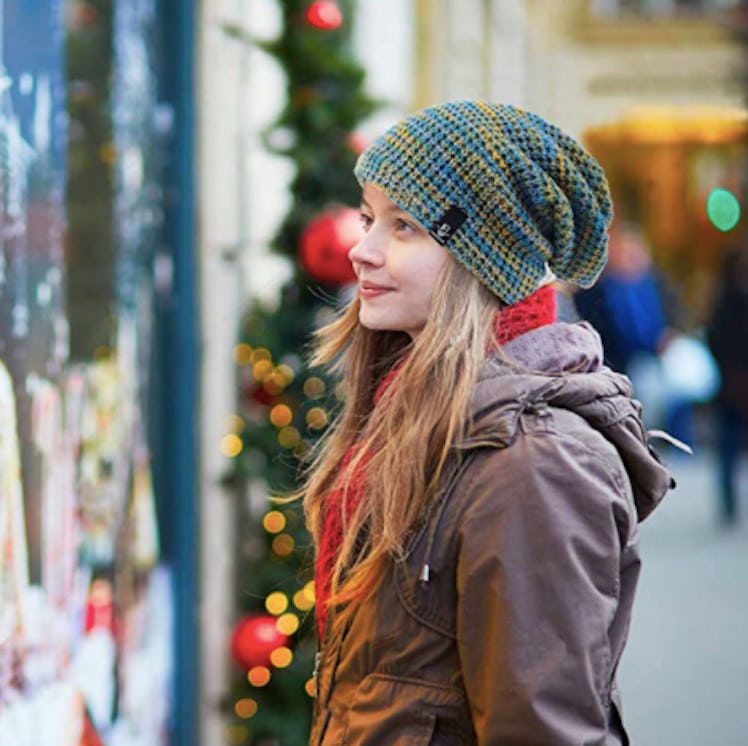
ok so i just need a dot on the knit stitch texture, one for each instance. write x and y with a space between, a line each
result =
532 199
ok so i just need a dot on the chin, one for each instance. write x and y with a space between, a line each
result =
377 324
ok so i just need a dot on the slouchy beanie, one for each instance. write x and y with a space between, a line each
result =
508 194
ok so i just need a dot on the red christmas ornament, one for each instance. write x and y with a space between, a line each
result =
325 244
324 14
253 640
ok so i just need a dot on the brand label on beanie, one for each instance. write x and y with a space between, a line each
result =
448 224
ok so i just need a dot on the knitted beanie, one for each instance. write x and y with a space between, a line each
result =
509 195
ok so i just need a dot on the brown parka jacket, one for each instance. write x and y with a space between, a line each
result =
505 621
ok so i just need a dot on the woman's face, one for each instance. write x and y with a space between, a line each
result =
397 264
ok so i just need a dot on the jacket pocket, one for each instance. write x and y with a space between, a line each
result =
406 712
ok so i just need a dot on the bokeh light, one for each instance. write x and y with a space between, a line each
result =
274 383
304 599
286 371
262 369
243 354
245 708
259 676
235 423
283 545
276 603
314 387
281 415
281 657
236 734
289 437
261 354
316 418
311 687
288 624
274 522
723 209
231 445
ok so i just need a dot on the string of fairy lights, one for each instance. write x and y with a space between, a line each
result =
268 637
274 379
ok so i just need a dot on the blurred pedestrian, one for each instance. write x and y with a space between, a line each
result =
475 505
728 341
632 309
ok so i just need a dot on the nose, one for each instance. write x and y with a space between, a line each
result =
367 251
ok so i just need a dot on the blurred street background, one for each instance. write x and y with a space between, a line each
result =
683 673
176 208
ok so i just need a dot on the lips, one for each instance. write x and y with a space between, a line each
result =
372 290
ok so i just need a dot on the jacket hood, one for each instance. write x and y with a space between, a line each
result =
560 365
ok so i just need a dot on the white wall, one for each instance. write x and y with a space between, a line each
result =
385 42
225 119
243 197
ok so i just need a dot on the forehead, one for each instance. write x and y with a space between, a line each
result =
377 200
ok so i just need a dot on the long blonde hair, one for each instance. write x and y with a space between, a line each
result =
403 443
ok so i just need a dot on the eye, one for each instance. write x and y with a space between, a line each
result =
403 225
366 220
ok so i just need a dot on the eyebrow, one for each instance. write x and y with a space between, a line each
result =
390 208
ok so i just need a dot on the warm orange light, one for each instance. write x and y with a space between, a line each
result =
245 708
276 603
281 657
258 676
243 354
262 369
281 415
288 624
283 545
274 384
231 445
304 599
274 522
261 354
311 687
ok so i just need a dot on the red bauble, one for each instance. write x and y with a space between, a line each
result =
324 14
325 244
254 638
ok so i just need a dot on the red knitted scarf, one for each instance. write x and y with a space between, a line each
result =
534 311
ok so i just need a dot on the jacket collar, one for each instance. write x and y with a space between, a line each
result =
560 366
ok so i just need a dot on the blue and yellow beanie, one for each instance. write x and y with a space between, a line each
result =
508 194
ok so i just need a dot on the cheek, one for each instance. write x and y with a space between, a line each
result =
417 271
430 270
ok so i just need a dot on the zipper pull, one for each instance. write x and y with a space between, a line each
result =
317 659
425 574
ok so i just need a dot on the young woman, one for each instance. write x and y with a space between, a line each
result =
475 506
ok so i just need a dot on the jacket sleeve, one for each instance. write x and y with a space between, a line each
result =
539 550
